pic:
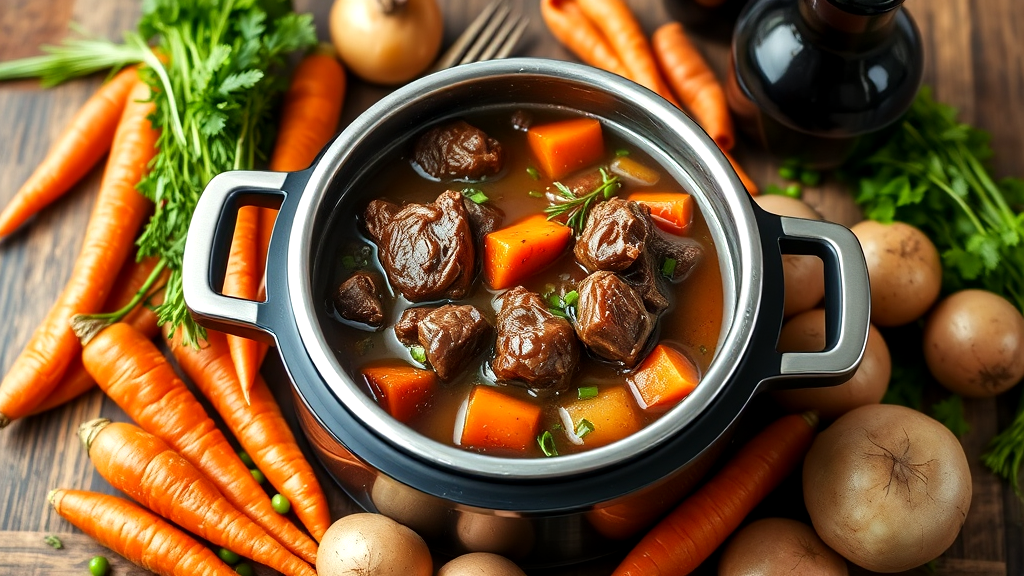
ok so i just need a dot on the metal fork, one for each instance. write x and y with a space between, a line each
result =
493 34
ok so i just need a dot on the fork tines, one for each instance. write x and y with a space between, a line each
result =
493 34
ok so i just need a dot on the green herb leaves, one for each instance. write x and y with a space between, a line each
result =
576 208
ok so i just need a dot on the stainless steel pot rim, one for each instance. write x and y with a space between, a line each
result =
741 262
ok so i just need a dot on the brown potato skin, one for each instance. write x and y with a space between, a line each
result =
887 487
481 564
974 343
779 547
374 544
806 333
804 275
904 270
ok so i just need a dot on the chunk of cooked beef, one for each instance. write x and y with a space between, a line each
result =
407 329
645 277
359 299
458 150
451 336
687 252
483 219
426 249
533 346
615 235
611 318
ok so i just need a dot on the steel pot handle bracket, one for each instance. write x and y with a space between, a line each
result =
209 242
847 302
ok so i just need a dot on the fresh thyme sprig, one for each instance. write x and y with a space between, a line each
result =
576 208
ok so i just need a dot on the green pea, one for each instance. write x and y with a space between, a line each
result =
245 570
787 173
256 474
281 504
99 566
810 177
246 459
793 191
228 556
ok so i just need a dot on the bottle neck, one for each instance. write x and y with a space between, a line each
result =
842 29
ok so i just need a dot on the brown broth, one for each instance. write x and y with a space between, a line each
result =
691 324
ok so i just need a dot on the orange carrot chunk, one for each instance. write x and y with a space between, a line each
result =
519 251
611 415
497 421
565 146
671 211
664 378
574 30
401 390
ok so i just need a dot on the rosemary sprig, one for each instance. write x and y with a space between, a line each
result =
576 208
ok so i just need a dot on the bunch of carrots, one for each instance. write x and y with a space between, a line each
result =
606 35
176 463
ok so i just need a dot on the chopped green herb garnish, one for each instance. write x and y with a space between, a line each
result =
53 541
668 267
418 354
549 289
622 152
583 428
349 262
810 177
533 172
559 312
554 301
576 208
535 194
571 298
703 349
788 173
547 444
475 194
586 392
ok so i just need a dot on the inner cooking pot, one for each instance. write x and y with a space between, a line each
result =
348 429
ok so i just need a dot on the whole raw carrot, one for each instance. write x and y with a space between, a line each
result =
133 372
85 140
259 427
110 236
693 82
691 532
614 19
137 534
242 280
571 27
145 468
76 381
745 178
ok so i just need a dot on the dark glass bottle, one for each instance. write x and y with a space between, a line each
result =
809 78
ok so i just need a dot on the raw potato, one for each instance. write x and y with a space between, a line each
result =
804 275
904 271
887 487
806 333
779 547
974 343
386 41
481 564
372 545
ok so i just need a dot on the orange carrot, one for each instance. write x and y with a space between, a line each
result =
568 145
494 420
664 378
116 217
259 427
745 178
133 372
76 381
612 415
691 532
242 280
137 534
516 252
614 19
402 391
671 211
76 151
145 468
694 83
571 27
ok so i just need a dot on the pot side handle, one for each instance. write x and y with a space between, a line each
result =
209 242
847 299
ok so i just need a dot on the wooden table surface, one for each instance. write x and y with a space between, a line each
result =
974 59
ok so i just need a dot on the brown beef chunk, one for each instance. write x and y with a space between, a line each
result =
407 329
687 252
426 249
458 150
359 299
611 318
643 276
483 219
533 346
451 336
615 235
